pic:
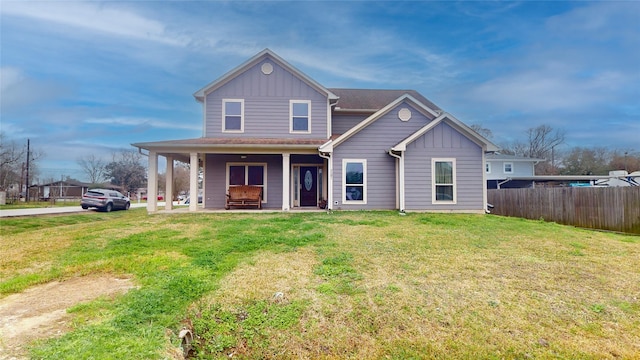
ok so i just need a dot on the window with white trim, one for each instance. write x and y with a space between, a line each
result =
300 116
233 115
443 175
248 174
508 168
354 181
487 167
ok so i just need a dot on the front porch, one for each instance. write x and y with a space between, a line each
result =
289 181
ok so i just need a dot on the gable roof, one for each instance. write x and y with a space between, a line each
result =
454 123
67 183
507 157
372 100
328 146
200 94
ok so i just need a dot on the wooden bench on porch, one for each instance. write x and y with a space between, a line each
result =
244 196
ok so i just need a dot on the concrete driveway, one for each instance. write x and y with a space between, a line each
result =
55 210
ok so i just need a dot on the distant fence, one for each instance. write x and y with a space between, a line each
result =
612 208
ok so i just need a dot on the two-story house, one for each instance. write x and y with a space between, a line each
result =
510 171
267 124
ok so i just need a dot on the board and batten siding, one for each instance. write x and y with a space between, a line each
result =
216 179
266 104
373 143
443 142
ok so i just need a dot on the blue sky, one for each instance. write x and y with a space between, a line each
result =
89 77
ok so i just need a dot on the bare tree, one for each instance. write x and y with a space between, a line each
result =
181 176
93 167
541 143
14 166
542 140
11 159
486 132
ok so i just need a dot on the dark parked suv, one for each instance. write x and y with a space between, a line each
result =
105 200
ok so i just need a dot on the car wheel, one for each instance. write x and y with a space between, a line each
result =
127 206
108 208
85 207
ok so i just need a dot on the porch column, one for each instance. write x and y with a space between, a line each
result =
329 162
152 183
168 194
193 182
286 181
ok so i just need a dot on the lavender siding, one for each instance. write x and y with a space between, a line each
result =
373 143
216 179
443 142
340 124
266 104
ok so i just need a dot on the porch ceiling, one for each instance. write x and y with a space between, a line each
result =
181 148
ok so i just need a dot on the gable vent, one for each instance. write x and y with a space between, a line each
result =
267 68
404 114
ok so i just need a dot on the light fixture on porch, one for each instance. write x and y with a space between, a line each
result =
243 156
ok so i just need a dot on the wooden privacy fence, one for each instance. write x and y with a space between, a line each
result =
613 208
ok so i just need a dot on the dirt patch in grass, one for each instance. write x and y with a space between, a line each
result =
40 312
267 274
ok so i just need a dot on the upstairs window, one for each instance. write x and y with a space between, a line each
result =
300 116
444 181
508 168
232 115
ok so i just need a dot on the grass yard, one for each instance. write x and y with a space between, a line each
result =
38 204
359 285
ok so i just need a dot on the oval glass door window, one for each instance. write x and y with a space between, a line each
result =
308 180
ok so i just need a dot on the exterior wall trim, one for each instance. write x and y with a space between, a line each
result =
364 182
291 116
342 138
434 184
457 125
212 86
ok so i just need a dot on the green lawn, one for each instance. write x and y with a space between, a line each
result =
359 285
38 204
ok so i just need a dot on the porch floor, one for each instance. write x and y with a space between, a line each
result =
185 210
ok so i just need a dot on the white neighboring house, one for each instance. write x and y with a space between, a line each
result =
501 169
510 171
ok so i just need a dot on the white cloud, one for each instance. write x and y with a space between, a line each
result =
92 16
148 122
19 91
546 90
575 63
9 77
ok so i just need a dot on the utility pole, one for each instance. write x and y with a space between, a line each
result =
21 182
626 168
28 156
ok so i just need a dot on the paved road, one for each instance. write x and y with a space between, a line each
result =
55 210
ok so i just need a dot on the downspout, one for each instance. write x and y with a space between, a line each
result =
329 180
503 182
330 118
141 153
401 178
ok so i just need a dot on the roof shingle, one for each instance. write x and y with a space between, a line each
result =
374 99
